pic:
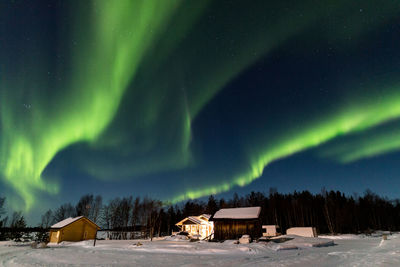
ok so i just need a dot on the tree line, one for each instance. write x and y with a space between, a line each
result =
128 217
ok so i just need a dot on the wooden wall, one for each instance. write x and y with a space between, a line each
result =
76 231
234 229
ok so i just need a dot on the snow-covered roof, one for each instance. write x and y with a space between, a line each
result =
65 222
194 219
238 213
207 216
70 220
202 219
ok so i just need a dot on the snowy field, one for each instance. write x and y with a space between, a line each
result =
344 250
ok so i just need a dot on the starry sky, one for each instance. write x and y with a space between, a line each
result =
179 99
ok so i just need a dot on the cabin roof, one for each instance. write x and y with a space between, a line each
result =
194 219
202 219
207 216
238 213
70 220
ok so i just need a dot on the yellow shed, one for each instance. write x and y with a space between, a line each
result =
73 229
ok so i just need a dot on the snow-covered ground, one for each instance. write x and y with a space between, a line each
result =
345 250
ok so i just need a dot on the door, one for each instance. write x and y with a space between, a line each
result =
54 237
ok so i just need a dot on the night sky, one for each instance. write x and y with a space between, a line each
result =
182 99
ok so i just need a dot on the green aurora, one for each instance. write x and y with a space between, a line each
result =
137 75
375 142
352 119
111 54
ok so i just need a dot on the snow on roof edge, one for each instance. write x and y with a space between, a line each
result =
238 213
65 222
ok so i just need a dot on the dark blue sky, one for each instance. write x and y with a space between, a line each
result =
186 100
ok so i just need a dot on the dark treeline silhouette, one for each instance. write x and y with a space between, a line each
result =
128 217
16 229
331 212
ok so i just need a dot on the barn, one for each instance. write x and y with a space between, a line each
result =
73 229
235 222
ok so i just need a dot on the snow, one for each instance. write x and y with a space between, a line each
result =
177 238
345 236
346 250
238 213
202 219
65 222
193 219
206 216
299 242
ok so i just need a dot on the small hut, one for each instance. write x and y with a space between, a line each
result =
233 223
73 229
197 226
270 230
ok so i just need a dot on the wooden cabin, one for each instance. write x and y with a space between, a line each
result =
197 226
73 229
233 223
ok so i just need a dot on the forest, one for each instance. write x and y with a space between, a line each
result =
130 217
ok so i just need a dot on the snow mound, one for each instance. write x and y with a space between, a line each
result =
283 247
85 243
231 242
297 242
177 238
342 237
18 244
39 245
380 233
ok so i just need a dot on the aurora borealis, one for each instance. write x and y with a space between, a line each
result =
182 99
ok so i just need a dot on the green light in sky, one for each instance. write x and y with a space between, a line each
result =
351 119
364 145
106 55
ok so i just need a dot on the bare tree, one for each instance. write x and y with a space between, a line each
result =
84 206
125 209
105 219
63 212
116 217
135 215
47 219
153 210
97 205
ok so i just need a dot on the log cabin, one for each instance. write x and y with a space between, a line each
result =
235 222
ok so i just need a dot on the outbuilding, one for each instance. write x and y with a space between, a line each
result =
270 230
235 222
302 231
73 229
